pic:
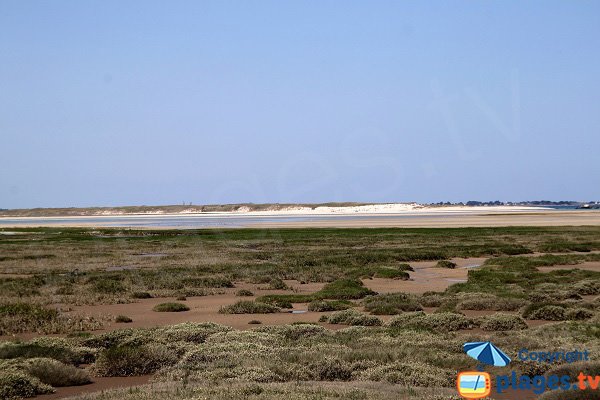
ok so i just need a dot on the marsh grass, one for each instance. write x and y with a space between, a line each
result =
131 360
342 289
249 307
414 356
55 373
353 318
421 354
170 307
15 384
439 322
502 322
391 304
445 264
20 317
306 255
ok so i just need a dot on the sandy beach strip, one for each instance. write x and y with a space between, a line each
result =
381 215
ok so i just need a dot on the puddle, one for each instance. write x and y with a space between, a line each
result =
456 280
472 266
297 311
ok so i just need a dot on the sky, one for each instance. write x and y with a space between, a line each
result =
106 103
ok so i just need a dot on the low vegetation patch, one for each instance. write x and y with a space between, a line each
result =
489 302
131 360
439 322
170 307
249 307
391 273
141 295
29 317
55 348
15 384
55 373
445 264
244 293
277 284
391 304
123 319
502 322
353 318
343 289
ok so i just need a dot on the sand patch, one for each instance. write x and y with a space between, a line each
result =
427 277
98 385
586 266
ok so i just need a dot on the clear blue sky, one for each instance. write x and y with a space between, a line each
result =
142 102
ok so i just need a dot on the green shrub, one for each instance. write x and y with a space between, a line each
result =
133 360
123 319
281 303
204 282
277 284
405 267
587 287
440 322
410 374
249 307
65 290
170 307
344 289
431 299
578 314
108 286
390 273
548 313
533 307
295 331
55 373
192 332
485 301
21 287
353 318
15 384
141 295
244 292
55 348
391 304
502 322
25 317
328 305
445 264
331 369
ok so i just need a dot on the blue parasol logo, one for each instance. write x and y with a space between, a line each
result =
486 353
